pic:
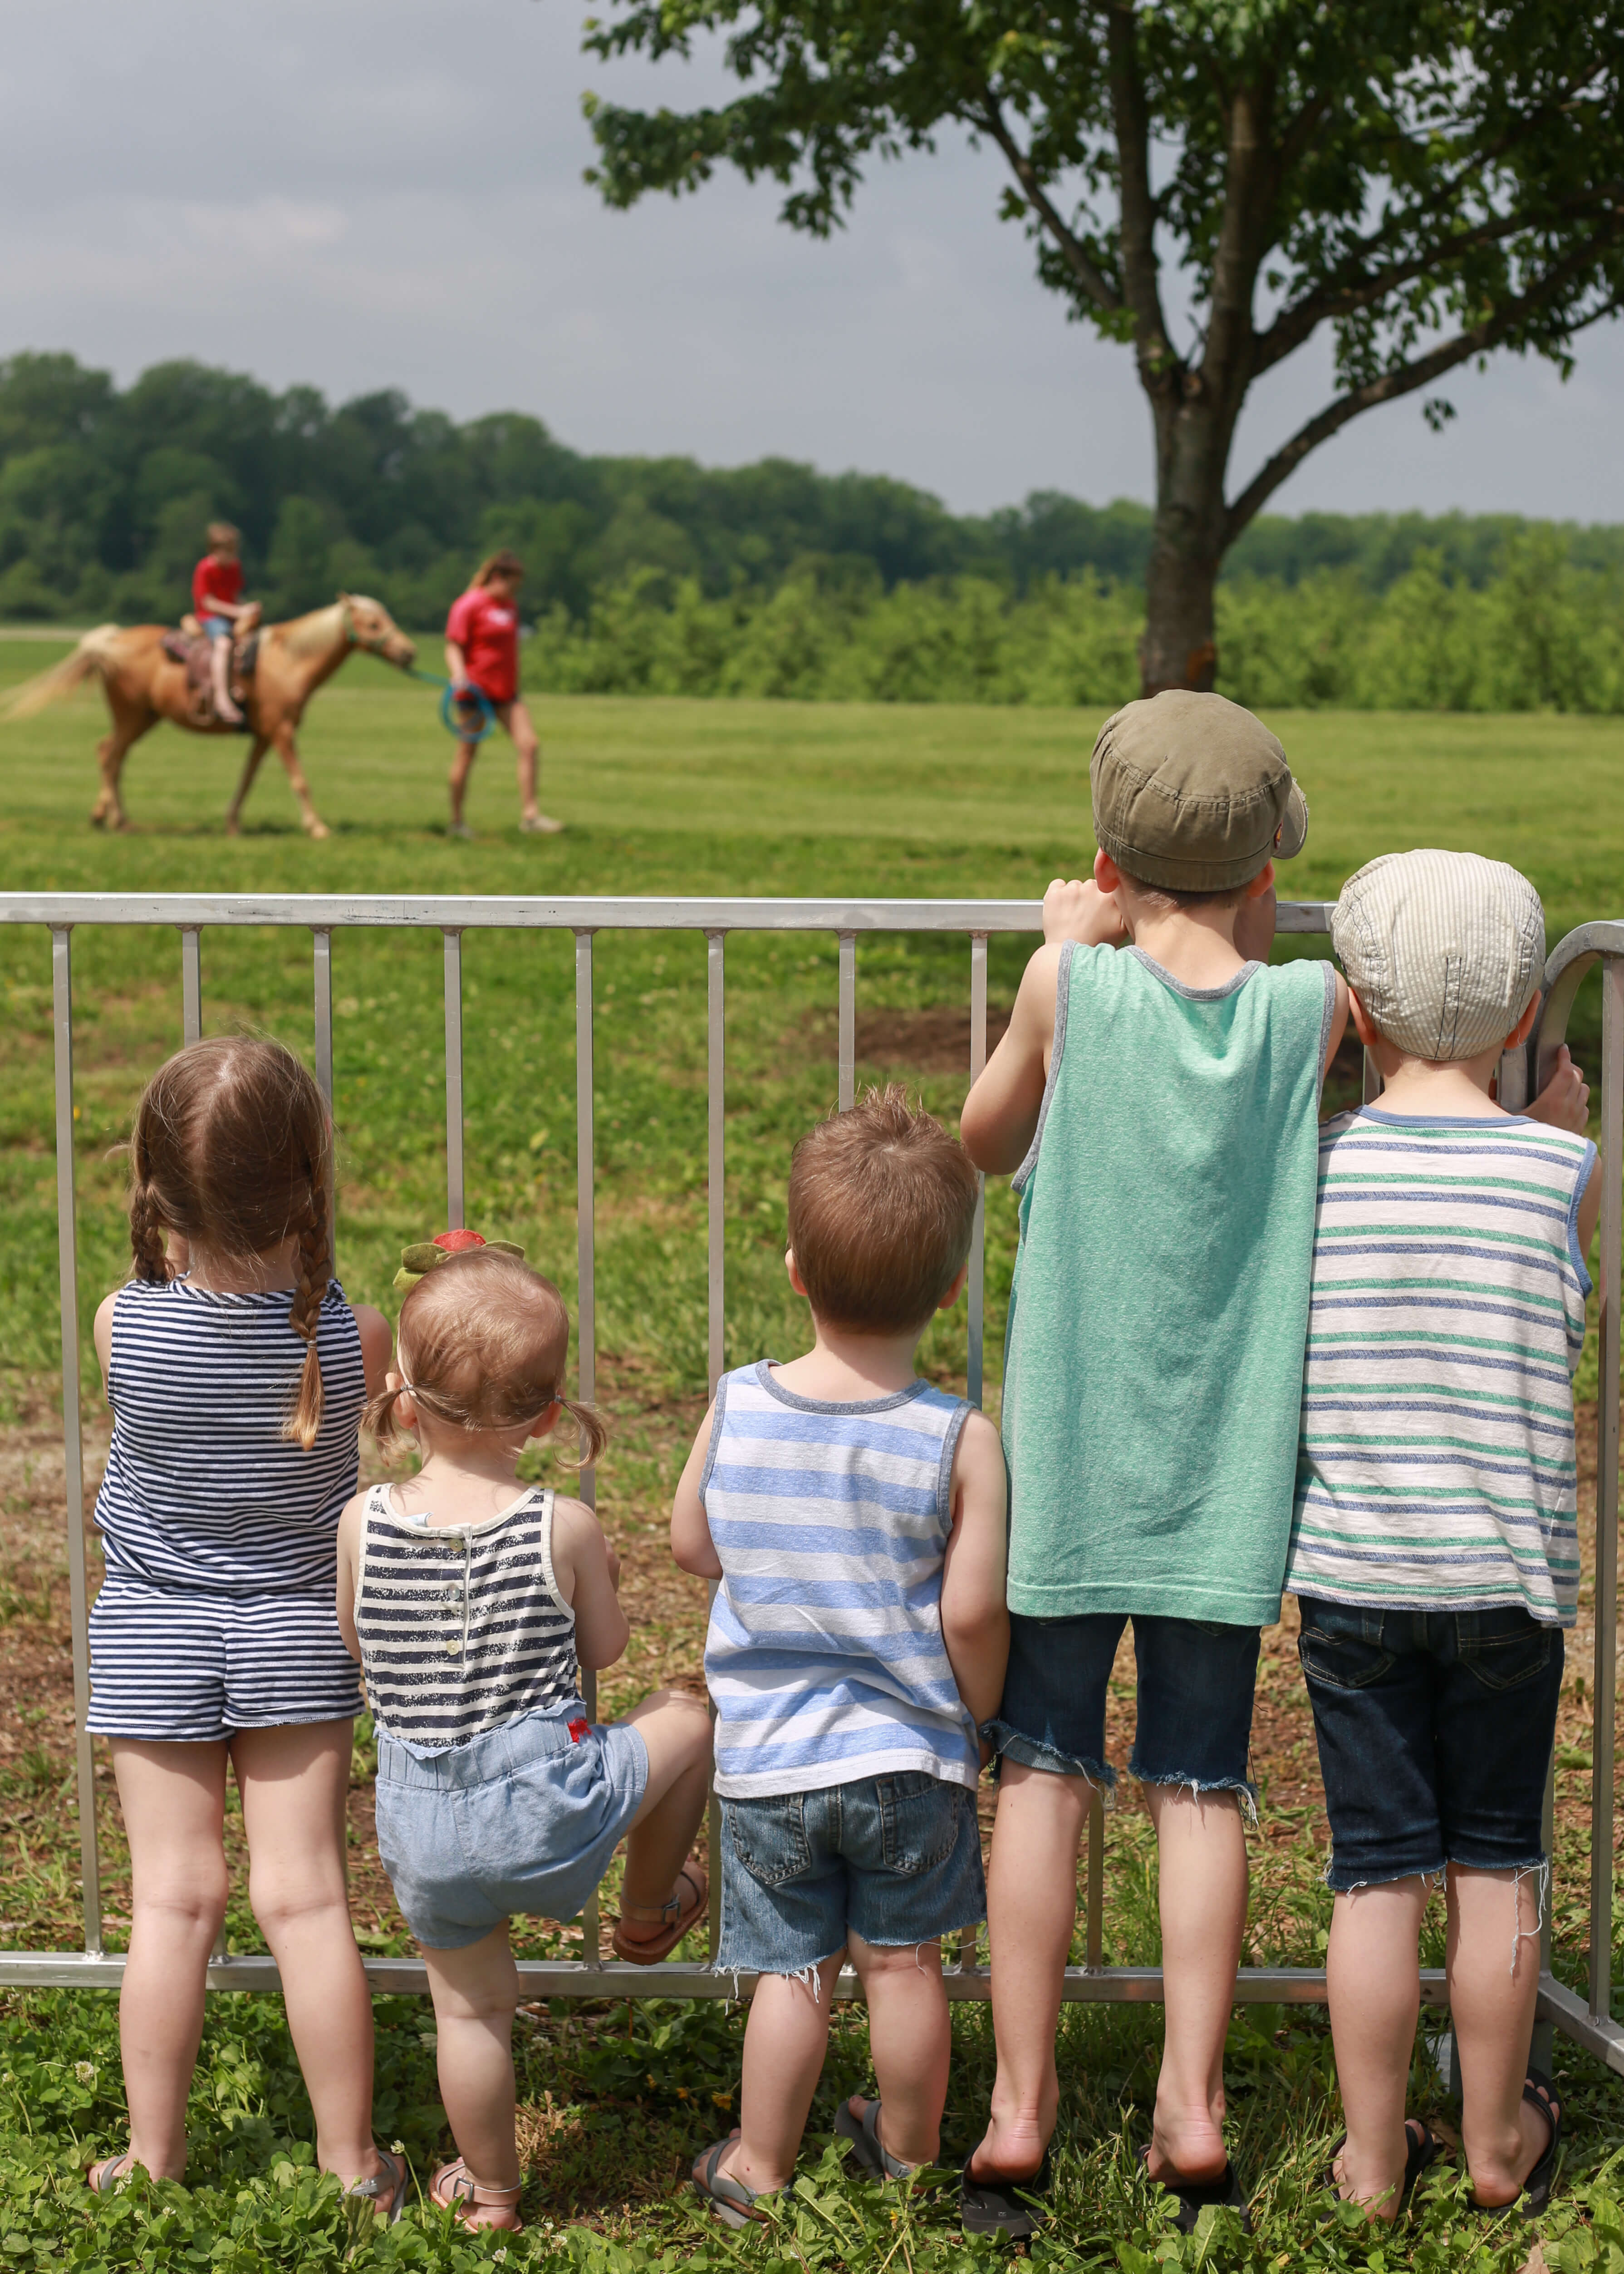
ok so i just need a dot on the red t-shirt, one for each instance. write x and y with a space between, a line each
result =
215 580
487 631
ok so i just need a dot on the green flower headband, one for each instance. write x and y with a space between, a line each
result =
418 1260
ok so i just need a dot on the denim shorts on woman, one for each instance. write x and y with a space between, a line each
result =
523 1817
1435 1730
895 1859
1193 1724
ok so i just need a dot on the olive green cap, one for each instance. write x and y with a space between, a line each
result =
1192 794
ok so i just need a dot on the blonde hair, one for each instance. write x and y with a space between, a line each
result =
483 1340
882 1207
497 564
222 532
232 1149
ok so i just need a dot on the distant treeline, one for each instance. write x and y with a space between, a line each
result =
773 578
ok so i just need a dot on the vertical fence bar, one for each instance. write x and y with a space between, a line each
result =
1603 1701
1096 1878
72 1442
715 1258
848 1020
190 983
586 1261
455 1203
321 943
586 1269
975 1321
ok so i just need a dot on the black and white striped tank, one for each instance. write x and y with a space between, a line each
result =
202 1491
461 1626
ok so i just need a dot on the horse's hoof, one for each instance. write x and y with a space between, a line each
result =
97 819
318 830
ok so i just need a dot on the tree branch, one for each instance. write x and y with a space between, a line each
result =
1407 377
1099 287
1138 220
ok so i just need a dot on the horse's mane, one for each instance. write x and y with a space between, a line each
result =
305 635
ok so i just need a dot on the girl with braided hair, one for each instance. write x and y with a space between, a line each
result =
472 1604
236 1373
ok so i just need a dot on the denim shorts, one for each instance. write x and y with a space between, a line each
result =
1435 1730
523 1818
895 1859
1193 1718
218 627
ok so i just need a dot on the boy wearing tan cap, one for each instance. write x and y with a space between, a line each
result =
1160 1106
1435 1552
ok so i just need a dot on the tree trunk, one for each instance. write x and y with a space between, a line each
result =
1178 648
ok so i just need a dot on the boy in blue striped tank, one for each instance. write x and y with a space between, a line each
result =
1435 1552
853 1516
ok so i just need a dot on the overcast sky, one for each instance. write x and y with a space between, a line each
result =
364 194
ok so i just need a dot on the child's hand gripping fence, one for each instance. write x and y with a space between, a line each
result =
1588 2020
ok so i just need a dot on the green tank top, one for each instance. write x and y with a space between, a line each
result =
1153 1359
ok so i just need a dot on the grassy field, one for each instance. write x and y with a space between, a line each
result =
660 797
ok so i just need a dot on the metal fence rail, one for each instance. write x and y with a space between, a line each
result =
1588 2020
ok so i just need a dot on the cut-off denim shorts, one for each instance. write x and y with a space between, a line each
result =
895 1859
1193 1723
523 1818
1435 1730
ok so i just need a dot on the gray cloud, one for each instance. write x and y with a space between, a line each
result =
362 194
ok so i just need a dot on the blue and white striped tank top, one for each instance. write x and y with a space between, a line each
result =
1437 1471
202 1491
461 1626
824 1655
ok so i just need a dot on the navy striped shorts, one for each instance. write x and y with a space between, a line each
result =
167 1666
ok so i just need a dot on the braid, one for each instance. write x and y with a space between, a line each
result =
152 1262
315 1248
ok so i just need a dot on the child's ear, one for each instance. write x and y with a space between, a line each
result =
1107 875
790 1266
1525 1027
1262 882
1360 1016
546 1421
958 1287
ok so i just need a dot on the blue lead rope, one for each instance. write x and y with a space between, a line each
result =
457 712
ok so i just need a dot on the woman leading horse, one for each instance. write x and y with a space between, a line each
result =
482 655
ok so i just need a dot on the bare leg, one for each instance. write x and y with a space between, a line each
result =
676 1730
220 668
461 766
1492 1962
1374 1988
911 2039
1201 1844
784 2042
287 751
173 1798
475 1992
251 766
1031 1912
526 748
294 1781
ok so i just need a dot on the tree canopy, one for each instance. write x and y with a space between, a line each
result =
1425 180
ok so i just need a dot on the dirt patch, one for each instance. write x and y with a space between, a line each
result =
932 1041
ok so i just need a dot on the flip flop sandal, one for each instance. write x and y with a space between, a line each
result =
1193 2195
674 1915
104 2179
1418 2154
862 2135
1537 2187
1003 2206
386 2190
730 2200
455 2188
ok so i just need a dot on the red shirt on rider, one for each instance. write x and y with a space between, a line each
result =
215 579
485 627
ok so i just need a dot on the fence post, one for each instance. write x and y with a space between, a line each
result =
846 1097
586 1302
190 983
1603 1701
457 1204
716 1266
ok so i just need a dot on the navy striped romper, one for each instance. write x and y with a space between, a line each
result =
220 1533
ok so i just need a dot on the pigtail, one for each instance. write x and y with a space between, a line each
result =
381 1421
152 1262
303 1424
594 1432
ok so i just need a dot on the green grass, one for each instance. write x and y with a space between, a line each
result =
665 797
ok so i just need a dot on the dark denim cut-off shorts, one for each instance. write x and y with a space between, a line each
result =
894 1859
1435 1730
1196 1681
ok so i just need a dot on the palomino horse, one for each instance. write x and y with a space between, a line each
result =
143 685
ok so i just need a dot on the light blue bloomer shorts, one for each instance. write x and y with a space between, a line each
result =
523 1817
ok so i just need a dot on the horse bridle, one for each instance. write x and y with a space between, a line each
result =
352 638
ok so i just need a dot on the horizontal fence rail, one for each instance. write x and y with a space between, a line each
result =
1586 2019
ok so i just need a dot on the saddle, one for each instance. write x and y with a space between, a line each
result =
191 647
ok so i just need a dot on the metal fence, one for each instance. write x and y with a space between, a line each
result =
1587 2019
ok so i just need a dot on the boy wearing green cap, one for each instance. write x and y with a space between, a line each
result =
1157 1095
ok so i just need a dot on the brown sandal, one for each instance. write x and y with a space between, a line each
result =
455 2188
674 1915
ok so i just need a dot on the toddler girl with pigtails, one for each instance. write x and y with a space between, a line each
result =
472 1603
237 1372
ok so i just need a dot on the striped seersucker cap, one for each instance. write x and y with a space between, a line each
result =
1445 950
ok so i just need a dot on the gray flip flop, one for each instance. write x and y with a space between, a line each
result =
733 2203
862 2135
386 2190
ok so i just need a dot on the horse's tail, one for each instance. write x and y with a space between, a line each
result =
91 657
